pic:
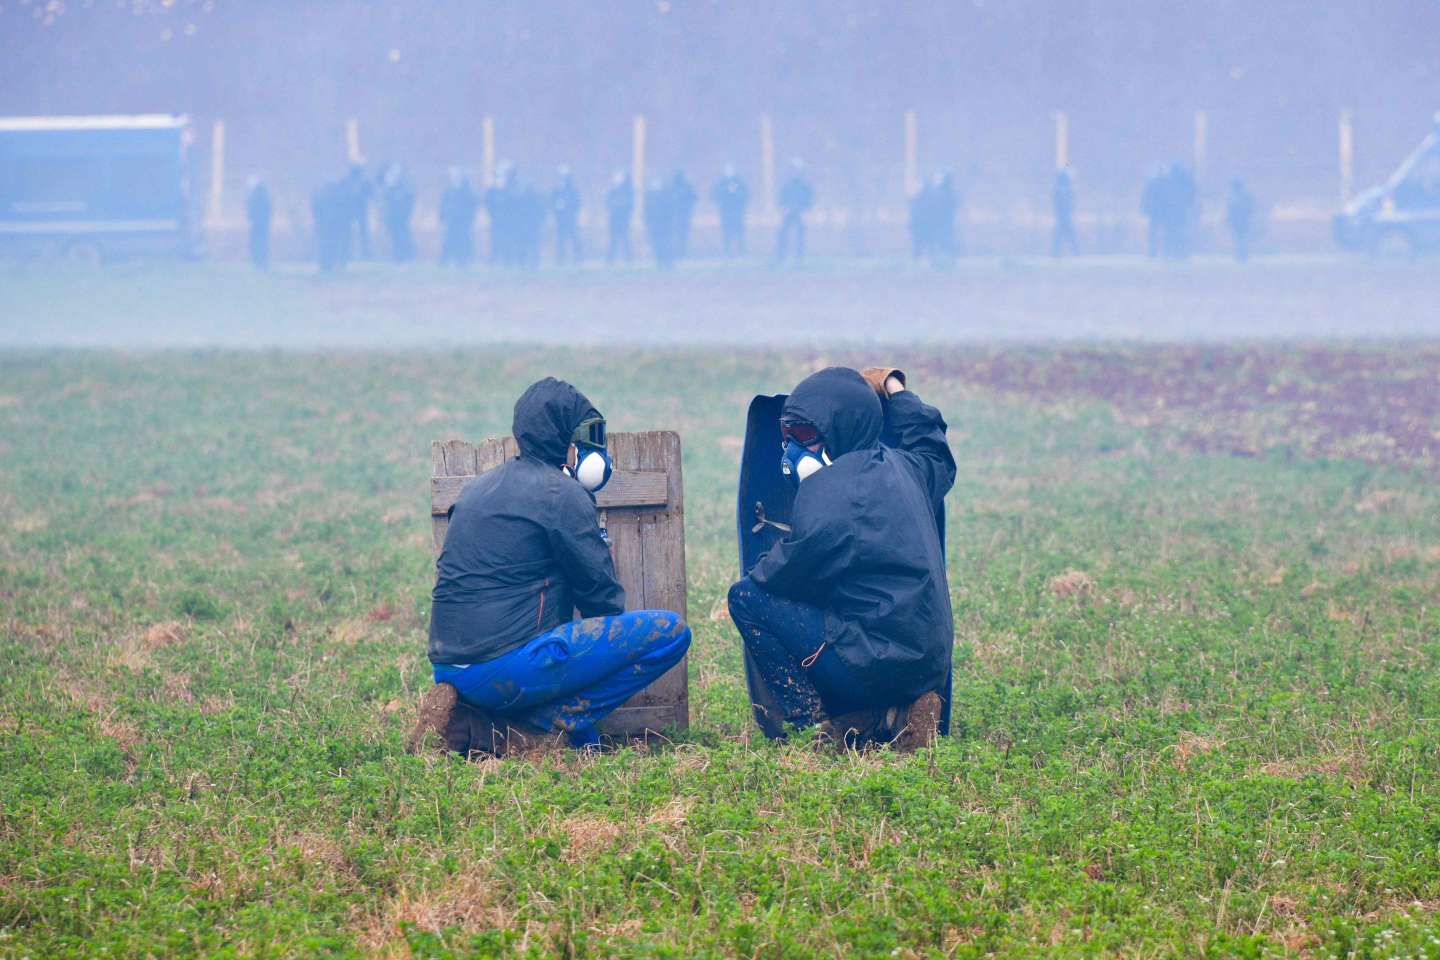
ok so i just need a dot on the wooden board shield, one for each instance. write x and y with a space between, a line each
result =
642 507
766 498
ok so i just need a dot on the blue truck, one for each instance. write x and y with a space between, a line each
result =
97 188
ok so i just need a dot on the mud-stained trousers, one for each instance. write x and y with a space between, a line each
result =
786 638
572 677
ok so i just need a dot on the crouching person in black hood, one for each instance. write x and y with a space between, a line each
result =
848 617
524 549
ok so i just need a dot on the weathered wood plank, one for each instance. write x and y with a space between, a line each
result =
459 458
490 454
663 553
438 525
634 721
625 549
627 488
662 538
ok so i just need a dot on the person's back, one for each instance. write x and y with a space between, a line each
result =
731 195
850 612
519 556
619 208
874 559
258 210
565 206
796 196
458 206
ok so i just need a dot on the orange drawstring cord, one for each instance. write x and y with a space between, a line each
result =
809 661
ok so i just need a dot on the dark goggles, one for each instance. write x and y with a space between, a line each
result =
801 432
590 433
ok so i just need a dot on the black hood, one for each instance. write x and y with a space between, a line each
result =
546 416
841 405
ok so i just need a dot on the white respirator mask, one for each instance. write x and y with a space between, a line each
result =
593 466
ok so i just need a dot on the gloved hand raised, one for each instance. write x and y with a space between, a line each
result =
884 380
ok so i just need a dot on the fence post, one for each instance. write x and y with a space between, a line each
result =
217 172
637 165
1347 155
767 167
487 150
912 154
1202 132
352 141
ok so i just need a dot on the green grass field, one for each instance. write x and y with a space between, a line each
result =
1197 673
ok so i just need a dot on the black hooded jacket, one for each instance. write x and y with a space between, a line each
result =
523 548
864 545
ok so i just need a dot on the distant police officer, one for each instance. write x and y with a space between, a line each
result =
1240 217
682 209
619 209
458 206
731 196
1062 205
356 191
499 209
796 198
529 225
258 209
330 207
1152 202
565 208
398 202
660 223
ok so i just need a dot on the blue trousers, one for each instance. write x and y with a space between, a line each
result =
783 636
572 677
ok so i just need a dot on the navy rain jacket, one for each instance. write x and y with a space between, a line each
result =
864 546
523 549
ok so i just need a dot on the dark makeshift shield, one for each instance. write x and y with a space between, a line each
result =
763 518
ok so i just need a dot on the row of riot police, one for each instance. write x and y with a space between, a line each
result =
518 212
1170 204
340 210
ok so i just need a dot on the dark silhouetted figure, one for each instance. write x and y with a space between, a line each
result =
932 220
1152 206
565 208
683 197
796 198
330 207
499 210
1240 218
1062 205
1178 198
398 200
731 196
458 206
357 191
920 228
619 209
660 223
258 210
529 225
945 199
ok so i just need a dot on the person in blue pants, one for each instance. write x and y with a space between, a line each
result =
524 549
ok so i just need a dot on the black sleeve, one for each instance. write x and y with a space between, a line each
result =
818 548
920 431
585 559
